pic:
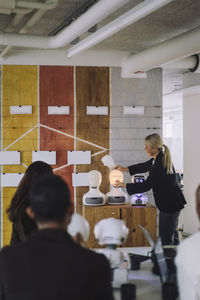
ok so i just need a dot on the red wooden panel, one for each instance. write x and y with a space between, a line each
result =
57 88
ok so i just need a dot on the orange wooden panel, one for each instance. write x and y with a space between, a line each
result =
56 88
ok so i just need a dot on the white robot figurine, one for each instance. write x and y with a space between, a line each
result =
139 199
79 225
116 195
112 232
94 197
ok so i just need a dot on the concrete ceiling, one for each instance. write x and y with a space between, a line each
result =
172 20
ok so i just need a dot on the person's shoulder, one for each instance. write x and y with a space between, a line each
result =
190 242
5 253
93 256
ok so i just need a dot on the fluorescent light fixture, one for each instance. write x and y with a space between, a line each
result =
133 15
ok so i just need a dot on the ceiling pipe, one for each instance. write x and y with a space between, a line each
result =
191 63
7 4
169 51
37 5
95 14
12 4
34 19
133 15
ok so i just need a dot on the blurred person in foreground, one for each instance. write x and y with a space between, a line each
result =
22 225
188 262
49 264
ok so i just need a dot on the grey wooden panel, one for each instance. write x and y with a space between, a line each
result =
127 144
149 111
125 133
126 90
135 122
136 155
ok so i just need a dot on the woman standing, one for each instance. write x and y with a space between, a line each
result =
168 196
22 225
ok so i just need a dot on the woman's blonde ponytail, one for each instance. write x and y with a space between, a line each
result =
155 141
167 161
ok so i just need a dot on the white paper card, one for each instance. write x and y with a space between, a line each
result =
21 109
11 179
48 157
58 110
80 179
79 157
133 110
9 158
97 110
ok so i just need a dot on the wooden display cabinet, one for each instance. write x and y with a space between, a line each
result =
132 216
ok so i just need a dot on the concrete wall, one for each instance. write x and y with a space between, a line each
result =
127 132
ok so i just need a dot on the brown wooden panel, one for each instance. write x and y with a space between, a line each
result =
92 88
56 88
146 216
93 215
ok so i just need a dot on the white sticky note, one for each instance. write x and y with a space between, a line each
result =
79 157
97 110
48 157
80 179
21 109
58 110
11 179
9 158
133 110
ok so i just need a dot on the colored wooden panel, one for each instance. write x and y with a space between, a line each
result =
57 88
145 216
132 216
19 87
7 194
92 88
95 214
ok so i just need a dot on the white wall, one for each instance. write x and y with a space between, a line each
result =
173 127
191 138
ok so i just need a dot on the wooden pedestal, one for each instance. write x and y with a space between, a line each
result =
132 216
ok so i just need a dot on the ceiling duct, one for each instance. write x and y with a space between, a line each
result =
182 46
133 15
94 15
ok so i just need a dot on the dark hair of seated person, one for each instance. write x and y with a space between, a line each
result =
22 224
49 199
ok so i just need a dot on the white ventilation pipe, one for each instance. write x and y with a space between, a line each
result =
12 4
91 17
192 63
171 50
133 15
34 19
37 5
8 4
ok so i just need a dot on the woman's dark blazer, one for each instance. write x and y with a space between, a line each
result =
168 195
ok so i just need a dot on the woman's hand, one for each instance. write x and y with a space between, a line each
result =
122 169
119 184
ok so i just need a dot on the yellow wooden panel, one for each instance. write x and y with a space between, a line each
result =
7 226
19 87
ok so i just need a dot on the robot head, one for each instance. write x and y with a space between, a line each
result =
111 231
79 225
94 178
116 175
